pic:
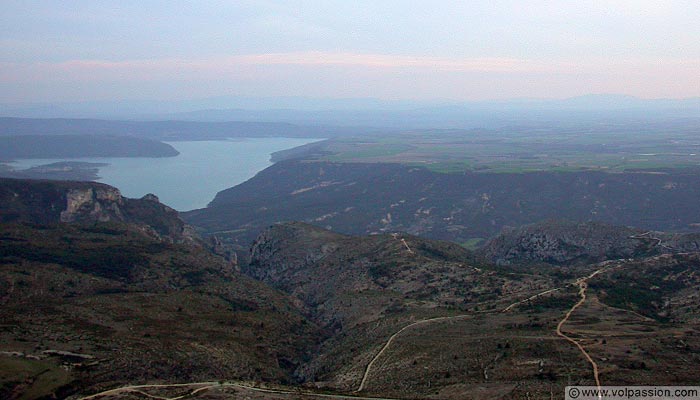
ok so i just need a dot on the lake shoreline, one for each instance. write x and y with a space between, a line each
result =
185 182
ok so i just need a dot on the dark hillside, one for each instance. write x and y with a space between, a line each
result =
374 198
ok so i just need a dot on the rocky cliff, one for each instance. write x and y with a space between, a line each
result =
52 202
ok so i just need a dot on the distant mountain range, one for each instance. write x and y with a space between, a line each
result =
162 130
371 112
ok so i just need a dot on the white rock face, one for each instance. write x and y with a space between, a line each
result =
102 204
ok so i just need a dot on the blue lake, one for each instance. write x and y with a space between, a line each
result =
191 179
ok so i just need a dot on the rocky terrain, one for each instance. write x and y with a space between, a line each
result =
563 242
363 278
360 289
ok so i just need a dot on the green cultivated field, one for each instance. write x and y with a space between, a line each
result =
453 151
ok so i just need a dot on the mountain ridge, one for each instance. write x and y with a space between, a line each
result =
366 198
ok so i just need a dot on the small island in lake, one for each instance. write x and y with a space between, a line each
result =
63 170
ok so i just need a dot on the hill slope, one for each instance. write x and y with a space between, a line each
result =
98 290
363 289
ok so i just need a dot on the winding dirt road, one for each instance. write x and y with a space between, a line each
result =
583 285
198 387
580 282
647 235
368 369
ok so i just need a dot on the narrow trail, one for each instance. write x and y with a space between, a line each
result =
137 389
197 387
510 307
403 242
203 386
406 245
647 235
636 314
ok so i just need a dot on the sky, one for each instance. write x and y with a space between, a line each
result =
394 50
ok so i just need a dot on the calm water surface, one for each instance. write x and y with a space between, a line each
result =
191 179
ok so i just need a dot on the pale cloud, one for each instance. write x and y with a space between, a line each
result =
89 69
146 69
395 61
331 74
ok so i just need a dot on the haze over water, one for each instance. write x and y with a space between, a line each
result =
192 179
